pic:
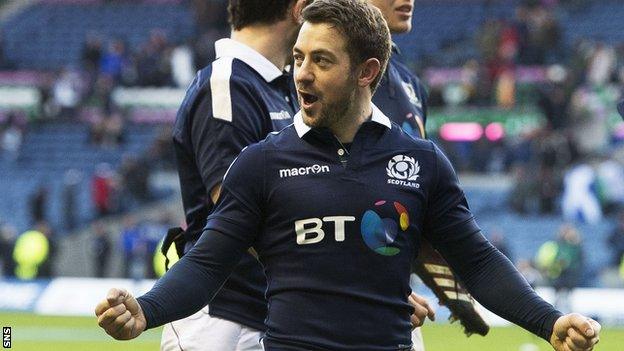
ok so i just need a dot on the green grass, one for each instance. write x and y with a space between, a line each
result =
43 333
449 337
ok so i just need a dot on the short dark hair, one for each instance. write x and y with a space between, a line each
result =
243 13
363 26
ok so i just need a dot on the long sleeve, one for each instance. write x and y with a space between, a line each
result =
230 230
194 280
487 274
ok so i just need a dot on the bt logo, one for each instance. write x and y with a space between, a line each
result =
310 230
381 227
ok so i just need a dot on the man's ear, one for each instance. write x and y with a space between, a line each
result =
368 71
297 9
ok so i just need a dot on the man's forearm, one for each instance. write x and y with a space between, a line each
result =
193 281
493 281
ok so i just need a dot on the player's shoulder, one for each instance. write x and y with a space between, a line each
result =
283 139
232 70
397 63
400 139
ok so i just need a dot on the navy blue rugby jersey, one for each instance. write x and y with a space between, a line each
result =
337 241
402 97
235 101
336 231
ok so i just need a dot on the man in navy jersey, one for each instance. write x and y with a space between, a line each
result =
334 205
233 102
400 95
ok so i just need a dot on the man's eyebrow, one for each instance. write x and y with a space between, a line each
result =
317 51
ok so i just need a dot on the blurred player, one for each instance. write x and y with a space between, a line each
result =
338 263
235 101
400 94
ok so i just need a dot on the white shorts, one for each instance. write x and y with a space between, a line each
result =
417 340
201 331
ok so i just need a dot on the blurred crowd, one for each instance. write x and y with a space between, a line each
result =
570 166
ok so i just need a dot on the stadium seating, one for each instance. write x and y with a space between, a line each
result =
51 35
525 234
47 152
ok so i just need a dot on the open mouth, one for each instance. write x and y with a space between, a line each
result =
405 9
308 99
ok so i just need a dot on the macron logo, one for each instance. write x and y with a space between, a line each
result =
302 171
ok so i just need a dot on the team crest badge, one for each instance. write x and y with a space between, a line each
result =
403 170
411 93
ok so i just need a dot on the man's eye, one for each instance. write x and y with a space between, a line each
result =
321 60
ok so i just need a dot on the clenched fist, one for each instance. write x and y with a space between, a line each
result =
574 332
120 315
422 310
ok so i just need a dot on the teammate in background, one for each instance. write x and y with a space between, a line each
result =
403 98
334 289
400 95
235 101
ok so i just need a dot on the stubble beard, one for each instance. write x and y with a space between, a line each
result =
336 112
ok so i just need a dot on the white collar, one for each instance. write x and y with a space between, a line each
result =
232 48
377 117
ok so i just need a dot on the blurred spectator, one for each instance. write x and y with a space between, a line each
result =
69 197
523 190
552 99
91 57
161 153
610 180
66 93
154 62
134 173
101 249
38 202
102 190
601 65
589 111
46 269
182 65
34 253
131 247
153 232
570 261
555 153
11 137
562 263
615 241
101 97
8 234
114 61
579 201
108 132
